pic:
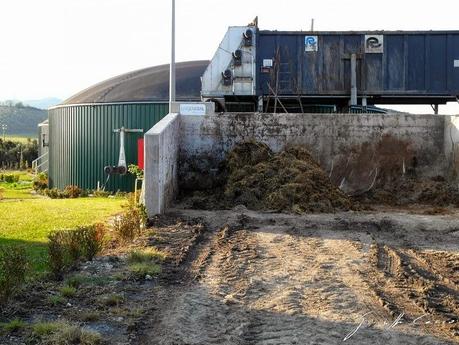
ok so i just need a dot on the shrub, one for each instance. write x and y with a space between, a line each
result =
13 269
40 182
11 178
127 226
135 170
93 238
57 253
67 247
72 191
53 193
101 194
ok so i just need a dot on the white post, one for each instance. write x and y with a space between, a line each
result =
172 65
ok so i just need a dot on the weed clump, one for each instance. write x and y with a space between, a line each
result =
13 269
41 329
14 325
145 262
68 291
146 255
61 333
142 269
111 300
56 300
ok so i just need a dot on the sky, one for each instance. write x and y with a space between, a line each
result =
55 48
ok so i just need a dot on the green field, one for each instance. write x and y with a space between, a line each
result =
21 139
27 219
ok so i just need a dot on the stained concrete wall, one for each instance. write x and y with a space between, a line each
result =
161 156
161 159
352 148
451 147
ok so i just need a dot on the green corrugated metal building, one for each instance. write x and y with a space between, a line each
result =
81 137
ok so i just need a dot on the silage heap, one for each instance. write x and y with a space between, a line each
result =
290 181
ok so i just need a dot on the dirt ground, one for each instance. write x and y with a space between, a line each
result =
246 277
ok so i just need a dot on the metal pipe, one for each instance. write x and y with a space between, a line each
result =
172 65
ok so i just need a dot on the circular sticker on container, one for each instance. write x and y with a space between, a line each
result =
311 43
374 44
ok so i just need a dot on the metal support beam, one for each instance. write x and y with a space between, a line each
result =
353 79
172 65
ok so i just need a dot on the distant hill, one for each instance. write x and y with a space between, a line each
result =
21 121
44 103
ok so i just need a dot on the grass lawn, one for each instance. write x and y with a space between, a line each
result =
17 190
27 219
29 222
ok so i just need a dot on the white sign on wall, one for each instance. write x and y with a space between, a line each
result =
456 63
192 109
311 43
267 62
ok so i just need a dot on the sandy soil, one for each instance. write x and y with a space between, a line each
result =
280 279
244 277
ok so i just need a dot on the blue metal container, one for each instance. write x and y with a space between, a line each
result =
390 67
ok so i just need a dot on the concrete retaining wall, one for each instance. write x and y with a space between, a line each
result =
346 145
452 143
350 147
161 159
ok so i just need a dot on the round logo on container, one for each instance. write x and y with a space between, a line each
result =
311 43
374 44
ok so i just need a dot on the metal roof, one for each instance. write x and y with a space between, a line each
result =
145 85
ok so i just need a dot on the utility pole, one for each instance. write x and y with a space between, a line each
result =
4 127
172 65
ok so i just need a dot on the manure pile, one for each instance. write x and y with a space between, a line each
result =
260 179
435 191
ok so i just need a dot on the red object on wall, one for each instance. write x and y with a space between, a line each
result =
140 153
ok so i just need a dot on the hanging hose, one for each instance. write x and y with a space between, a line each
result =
105 184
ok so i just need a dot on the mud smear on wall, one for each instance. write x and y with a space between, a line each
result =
387 172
